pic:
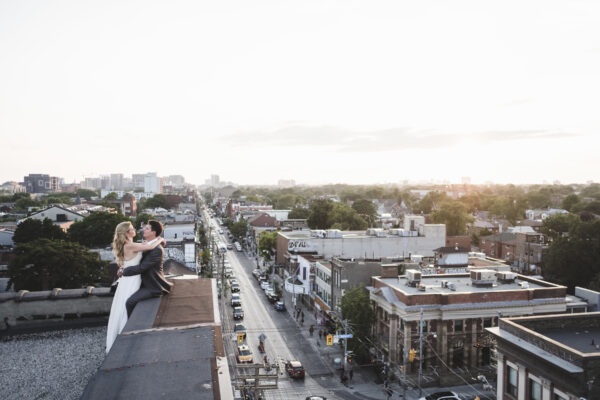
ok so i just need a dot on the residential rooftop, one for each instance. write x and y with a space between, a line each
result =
462 284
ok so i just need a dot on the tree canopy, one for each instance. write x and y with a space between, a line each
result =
266 242
44 264
299 213
571 259
366 209
454 214
97 230
239 229
86 193
356 308
32 229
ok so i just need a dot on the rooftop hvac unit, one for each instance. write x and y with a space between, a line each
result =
444 284
421 287
334 233
452 286
413 277
506 277
524 285
483 277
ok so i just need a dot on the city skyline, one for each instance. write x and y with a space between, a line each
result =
337 92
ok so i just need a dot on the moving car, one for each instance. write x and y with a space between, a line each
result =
244 354
294 369
238 313
239 328
272 296
441 396
236 300
229 246
279 306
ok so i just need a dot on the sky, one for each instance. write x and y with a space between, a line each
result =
359 92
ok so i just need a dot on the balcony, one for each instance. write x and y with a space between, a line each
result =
294 285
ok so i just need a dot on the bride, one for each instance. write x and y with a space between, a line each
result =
127 253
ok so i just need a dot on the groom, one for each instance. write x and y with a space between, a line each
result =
150 268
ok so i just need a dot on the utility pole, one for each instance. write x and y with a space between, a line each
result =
420 350
404 371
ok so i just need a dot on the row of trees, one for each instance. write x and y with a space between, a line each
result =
47 257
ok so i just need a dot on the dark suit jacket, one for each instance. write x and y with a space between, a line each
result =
151 270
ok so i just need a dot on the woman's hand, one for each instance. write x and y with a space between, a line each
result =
163 242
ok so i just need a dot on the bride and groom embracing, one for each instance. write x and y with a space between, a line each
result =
140 274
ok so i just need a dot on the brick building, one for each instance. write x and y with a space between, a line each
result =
456 310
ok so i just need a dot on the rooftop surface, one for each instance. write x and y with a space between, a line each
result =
462 282
168 348
584 340
345 235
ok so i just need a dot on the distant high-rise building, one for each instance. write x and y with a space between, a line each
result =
214 180
137 181
40 183
105 182
176 181
286 183
92 183
152 183
116 181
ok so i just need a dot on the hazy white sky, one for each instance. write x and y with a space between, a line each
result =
316 91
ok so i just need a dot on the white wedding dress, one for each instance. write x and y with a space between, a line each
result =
127 286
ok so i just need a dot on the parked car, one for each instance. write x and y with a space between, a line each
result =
294 369
228 271
236 300
238 313
244 354
238 246
235 287
279 306
272 297
315 398
257 273
229 246
264 285
441 396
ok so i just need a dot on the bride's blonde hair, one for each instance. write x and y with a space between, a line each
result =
119 240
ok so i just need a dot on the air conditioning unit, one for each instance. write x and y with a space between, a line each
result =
506 276
524 285
452 286
483 277
413 277
444 284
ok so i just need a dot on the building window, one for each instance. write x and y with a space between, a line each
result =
458 325
535 390
487 322
511 381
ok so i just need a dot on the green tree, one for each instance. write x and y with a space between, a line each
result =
570 202
266 242
25 202
33 229
299 213
45 264
86 193
356 308
111 196
239 229
571 259
454 215
366 209
430 202
319 214
97 230
141 220
345 218
158 200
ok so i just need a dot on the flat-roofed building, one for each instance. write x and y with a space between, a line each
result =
416 238
550 357
456 310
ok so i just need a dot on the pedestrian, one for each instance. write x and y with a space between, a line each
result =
302 320
351 373
302 315
311 330
320 333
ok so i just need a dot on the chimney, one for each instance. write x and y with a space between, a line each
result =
389 270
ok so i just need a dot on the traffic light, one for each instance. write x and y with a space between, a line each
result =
240 338
329 340
411 355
